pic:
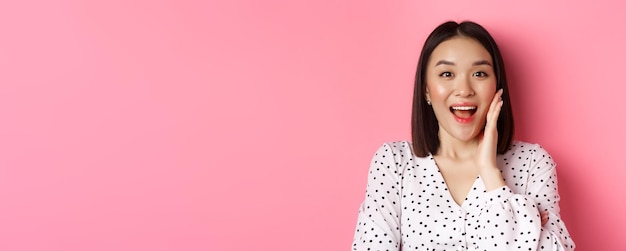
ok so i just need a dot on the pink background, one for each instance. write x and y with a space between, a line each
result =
249 125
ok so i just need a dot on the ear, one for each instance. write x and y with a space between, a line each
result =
426 93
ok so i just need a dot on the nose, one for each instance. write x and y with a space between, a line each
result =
464 88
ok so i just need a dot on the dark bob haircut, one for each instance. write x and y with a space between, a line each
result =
424 124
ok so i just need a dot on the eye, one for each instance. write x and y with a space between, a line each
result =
480 74
446 74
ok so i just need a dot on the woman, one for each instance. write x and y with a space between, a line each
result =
463 183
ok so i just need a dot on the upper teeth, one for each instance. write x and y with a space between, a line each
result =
465 108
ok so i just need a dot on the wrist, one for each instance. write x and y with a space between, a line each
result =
492 177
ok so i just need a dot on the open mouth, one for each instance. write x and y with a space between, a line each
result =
464 111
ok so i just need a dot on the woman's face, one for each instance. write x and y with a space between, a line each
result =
460 84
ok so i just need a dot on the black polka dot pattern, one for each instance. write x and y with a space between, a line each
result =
408 206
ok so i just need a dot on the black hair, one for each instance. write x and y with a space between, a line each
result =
424 124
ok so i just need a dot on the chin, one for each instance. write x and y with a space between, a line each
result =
466 136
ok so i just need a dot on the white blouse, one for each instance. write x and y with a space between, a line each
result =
408 207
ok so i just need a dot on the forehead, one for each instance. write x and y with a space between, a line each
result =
460 50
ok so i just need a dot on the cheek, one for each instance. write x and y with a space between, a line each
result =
438 92
487 90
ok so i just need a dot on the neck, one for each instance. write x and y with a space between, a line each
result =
453 148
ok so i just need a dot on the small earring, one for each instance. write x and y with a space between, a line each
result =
428 101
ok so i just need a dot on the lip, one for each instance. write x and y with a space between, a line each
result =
464 120
464 104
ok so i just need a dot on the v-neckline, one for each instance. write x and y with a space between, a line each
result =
447 192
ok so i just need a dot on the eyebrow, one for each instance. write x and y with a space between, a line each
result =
444 62
480 62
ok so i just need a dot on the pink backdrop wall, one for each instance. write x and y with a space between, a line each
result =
249 125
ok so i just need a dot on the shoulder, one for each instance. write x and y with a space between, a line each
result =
397 145
393 149
400 151
395 159
404 148
526 151
519 147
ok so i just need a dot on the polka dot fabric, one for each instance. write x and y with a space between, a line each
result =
408 206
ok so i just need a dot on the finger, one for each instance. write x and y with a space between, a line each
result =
544 218
494 109
493 106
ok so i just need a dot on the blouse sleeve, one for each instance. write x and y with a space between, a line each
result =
378 226
513 220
